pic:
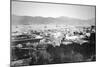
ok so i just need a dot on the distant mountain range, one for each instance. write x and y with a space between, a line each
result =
29 20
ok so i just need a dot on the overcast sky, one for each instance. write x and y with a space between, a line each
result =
52 10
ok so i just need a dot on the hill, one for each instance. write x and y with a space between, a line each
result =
29 20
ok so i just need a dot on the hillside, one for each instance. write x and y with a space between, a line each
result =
29 20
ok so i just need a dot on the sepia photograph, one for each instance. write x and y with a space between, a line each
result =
45 33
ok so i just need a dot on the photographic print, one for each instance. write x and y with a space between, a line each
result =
52 33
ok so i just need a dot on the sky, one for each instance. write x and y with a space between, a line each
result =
52 10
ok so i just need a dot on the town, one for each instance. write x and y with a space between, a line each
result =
50 44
